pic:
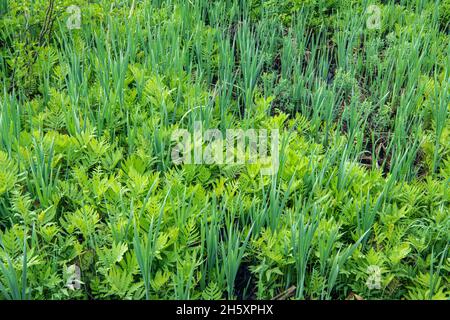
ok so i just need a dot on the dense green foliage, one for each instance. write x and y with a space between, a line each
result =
86 178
